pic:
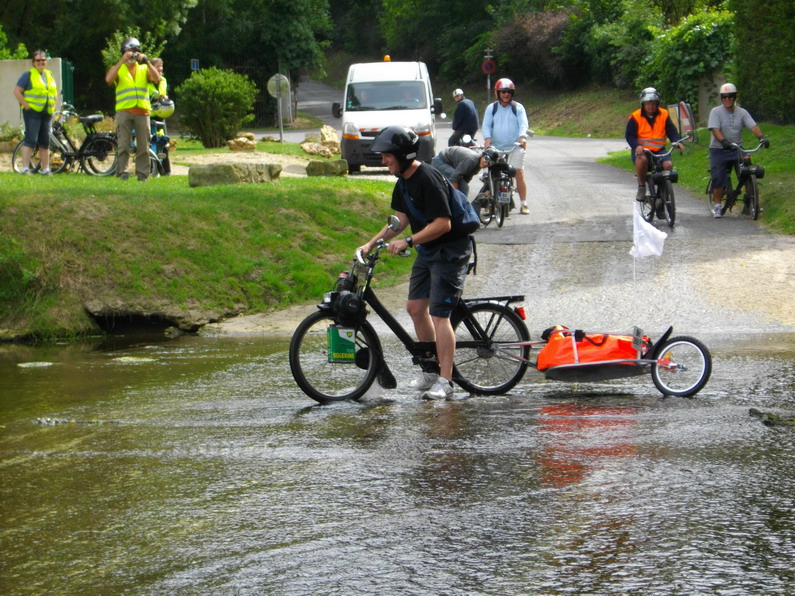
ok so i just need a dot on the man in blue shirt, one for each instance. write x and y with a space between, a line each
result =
504 125
465 119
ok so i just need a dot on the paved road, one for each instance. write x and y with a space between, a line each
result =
570 255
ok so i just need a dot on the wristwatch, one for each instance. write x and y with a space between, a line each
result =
409 240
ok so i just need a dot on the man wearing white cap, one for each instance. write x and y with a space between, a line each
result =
465 119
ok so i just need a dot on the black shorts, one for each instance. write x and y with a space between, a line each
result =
439 273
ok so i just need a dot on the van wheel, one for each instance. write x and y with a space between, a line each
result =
354 168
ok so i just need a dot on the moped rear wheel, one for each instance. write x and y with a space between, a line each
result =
669 203
752 196
321 378
492 366
682 368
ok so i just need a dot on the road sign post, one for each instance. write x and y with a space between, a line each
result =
279 87
488 67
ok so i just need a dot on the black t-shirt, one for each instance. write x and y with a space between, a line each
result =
429 194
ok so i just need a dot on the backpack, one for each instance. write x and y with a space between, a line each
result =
496 104
464 219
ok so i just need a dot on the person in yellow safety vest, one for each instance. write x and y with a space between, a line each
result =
648 127
36 93
161 89
131 75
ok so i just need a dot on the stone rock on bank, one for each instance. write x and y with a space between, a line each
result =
233 173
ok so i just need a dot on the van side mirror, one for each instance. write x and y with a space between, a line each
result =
437 105
336 109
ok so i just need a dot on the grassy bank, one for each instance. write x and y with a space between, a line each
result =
162 247
775 189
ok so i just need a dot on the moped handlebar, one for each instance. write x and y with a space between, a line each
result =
684 139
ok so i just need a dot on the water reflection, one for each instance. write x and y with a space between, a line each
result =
201 468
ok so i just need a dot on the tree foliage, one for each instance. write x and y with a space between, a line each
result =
215 104
765 60
151 46
682 56
78 31
7 53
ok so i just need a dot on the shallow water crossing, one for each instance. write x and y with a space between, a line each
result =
196 466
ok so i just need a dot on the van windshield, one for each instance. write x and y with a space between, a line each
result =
386 95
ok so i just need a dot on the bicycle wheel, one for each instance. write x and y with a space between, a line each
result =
500 210
326 381
490 368
155 166
669 203
752 196
99 155
683 367
16 159
647 207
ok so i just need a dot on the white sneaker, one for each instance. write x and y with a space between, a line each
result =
442 389
46 172
717 211
26 172
424 382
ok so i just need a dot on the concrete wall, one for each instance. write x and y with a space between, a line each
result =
10 71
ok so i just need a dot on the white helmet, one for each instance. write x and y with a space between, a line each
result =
649 94
727 88
457 92
163 108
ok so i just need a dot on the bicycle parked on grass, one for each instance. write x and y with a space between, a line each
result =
336 354
747 176
495 199
660 199
96 155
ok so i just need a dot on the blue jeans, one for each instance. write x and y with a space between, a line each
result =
37 128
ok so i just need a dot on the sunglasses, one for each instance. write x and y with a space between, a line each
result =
506 91
40 60
728 96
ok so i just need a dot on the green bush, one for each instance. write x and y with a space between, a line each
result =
700 45
214 104
10 132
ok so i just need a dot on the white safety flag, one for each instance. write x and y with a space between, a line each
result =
647 240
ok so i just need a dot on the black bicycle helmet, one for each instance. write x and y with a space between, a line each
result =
400 141
130 43
491 155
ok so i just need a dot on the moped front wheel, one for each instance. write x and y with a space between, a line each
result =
485 206
682 368
669 203
752 196
648 207
495 364
326 371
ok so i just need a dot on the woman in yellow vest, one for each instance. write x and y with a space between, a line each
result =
131 75
36 93
648 128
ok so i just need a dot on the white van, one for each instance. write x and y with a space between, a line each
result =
381 94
